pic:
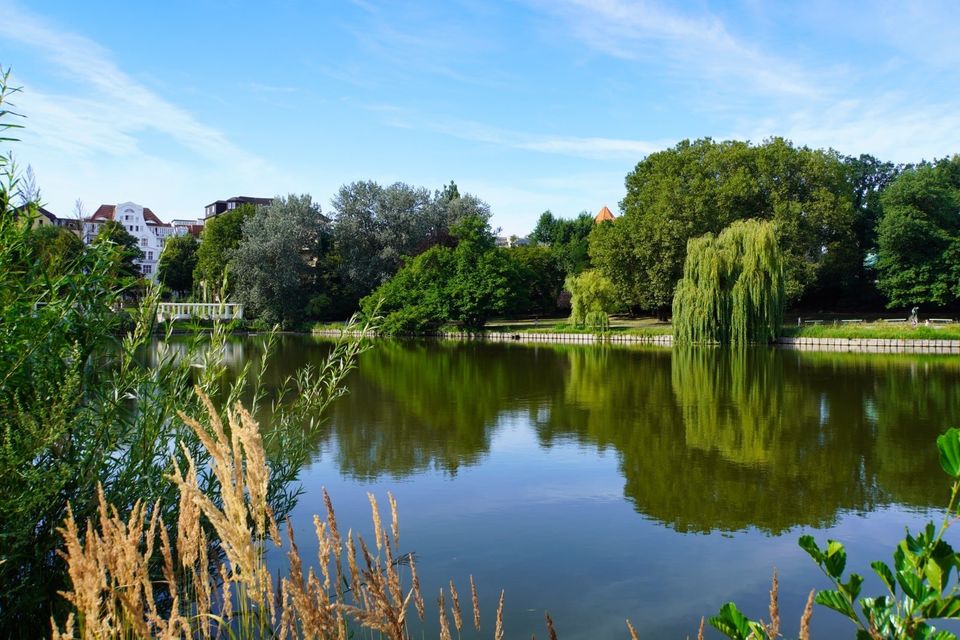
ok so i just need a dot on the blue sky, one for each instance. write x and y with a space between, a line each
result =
530 105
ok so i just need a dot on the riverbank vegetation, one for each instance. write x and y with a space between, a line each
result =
732 289
84 411
855 233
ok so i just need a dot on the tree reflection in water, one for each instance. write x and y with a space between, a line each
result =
708 439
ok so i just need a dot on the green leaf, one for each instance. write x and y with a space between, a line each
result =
852 587
882 570
808 544
911 584
833 599
835 559
731 623
943 608
933 572
949 446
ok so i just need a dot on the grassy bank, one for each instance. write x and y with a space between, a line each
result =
877 330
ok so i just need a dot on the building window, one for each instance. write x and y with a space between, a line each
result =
143 242
149 255
147 269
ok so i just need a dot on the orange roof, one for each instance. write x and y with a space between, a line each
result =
107 211
603 215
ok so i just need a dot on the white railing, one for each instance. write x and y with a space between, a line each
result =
199 311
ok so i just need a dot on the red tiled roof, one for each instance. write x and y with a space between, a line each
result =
107 211
195 229
604 215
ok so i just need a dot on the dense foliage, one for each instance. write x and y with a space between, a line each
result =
221 236
276 264
816 200
918 257
594 298
732 289
567 240
128 250
463 285
177 263
376 228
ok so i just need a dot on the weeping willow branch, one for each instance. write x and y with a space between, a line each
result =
732 289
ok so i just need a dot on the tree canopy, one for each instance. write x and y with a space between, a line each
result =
464 285
702 187
275 265
567 239
918 257
128 249
221 236
377 227
177 263
733 288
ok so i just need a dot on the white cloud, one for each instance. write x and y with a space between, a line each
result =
94 131
590 147
888 126
695 47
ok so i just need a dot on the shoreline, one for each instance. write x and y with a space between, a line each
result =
852 345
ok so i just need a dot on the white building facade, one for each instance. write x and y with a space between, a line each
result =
141 223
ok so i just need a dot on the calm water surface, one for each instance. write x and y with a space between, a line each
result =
602 483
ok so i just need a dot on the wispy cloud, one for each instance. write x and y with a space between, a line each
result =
590 147
888 126
692 46
107 108
94 131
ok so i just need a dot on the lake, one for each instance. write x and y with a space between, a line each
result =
604 483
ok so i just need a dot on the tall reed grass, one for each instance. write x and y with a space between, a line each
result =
207 577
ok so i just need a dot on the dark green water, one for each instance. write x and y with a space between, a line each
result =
643 483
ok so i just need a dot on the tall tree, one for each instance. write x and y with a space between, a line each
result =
918 258
177 263
56 249
377 227
868 178
275 267
221 237
567 239
733 286
701 187
464 285
128 249
539 280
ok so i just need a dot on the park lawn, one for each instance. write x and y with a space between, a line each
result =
877 330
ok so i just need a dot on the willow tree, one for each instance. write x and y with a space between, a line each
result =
733 289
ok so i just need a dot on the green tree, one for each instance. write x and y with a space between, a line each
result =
539 280
918 257
464 285
868 177
593 294
128 249
276 264
177 263
485 281
702 187
57 249
567 239
377 228
221 237
732 289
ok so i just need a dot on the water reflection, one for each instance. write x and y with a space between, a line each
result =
707 439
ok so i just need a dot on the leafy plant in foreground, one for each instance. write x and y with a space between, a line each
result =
922 585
